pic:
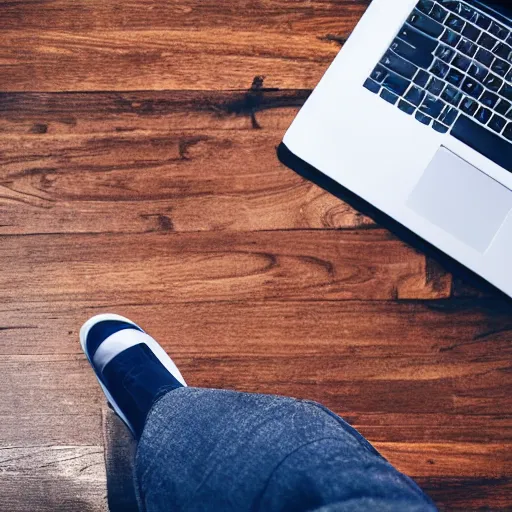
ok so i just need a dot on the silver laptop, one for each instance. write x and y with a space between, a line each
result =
414 116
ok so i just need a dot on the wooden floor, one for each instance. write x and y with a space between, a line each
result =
138 175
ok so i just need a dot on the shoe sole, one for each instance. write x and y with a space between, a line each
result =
154 346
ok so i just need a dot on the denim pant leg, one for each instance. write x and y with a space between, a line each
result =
216 450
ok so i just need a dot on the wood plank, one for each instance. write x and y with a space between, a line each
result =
49 478
457 476
50 494
190 267
90 15
360 358
61 386
463 494
424 427
83 462
148 45
153 161
55 428
254 107
441 460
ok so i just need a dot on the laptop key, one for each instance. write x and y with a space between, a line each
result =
489 99
425 6
406 107
483 141
421 79
438 127
472 88
415 95
414 55
417 39
422 118
449 115
478 72
452 95
435 86
398 65
452 5
506 91
389 96
432 106
469 106
445 53
483 115
438 13
493 83
471 32
454 77
440 69
379 73
464 11
487 41
467 47
450 37
372 86
500 67
482 21
485 57
425 24
474 17
499 31
462 62
455 23
395 83
497 123
503 107
504 51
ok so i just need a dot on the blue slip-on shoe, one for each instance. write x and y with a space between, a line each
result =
132 368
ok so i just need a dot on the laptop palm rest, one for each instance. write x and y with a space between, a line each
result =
460 199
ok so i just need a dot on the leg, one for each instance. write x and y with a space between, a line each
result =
211 450
221 450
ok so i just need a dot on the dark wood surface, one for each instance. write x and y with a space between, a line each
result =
138 175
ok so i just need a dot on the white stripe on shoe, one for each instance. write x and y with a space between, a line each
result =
115 344
126 338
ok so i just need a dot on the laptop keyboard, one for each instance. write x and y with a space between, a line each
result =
450 67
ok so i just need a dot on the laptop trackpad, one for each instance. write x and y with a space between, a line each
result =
462 200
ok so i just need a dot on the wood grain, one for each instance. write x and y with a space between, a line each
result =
452 360
463 494
32 426
464 460
277 15
148 45
153 161
44 478
190 267
56 385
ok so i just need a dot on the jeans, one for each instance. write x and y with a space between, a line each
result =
215 450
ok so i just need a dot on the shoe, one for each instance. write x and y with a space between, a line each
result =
132 369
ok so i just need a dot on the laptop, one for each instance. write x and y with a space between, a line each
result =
413 122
